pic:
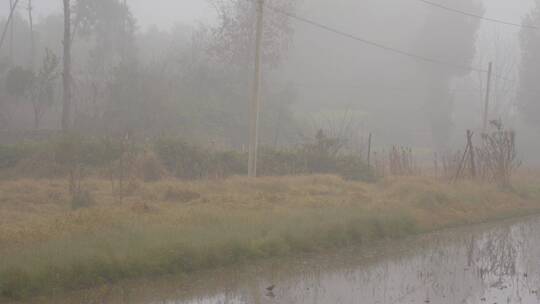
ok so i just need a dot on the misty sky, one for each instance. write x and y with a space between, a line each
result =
165 13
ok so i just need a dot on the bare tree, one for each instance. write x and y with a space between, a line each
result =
7 26
498 155
235 34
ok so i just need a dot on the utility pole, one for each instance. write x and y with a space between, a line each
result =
488 95
66 103
32 43
256 97
124 29
11 32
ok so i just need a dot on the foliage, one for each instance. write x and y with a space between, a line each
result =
354 168
151 168
19 81
234 36
43 90
82 199
111 24
497 154
183 160
134 103
77 154
280 162
11 155
228 163
321 154
125 159
69 152
36 88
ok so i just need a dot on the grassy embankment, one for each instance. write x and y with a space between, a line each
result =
180 227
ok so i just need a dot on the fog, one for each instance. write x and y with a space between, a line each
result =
315 77
163 13
150 138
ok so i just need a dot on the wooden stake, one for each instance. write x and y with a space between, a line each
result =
369 150
471 153
488 94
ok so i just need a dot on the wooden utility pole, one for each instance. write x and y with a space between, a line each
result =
66 104
488 95
256 97
124 30
32 43
11 32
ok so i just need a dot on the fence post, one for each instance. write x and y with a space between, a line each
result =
369 151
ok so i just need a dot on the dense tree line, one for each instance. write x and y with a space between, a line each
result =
189 81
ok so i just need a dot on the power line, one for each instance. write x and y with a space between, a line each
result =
382 46
446 8
401 52
372 43
368 87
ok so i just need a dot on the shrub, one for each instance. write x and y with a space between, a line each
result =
280 162
15 283
181 159
74 155
11 155
150 168
180 196
82 199
225 164
354 168
102 152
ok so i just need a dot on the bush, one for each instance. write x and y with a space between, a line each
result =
11 155
150 168
225 164
280 162
82 199
73 155
181 159
15 284
354 168
180 196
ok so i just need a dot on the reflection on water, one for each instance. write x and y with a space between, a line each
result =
488 264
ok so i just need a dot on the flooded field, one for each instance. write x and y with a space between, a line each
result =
495 263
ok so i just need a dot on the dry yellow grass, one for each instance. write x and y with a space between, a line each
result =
173 226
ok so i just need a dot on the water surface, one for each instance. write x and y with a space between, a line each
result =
495 263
